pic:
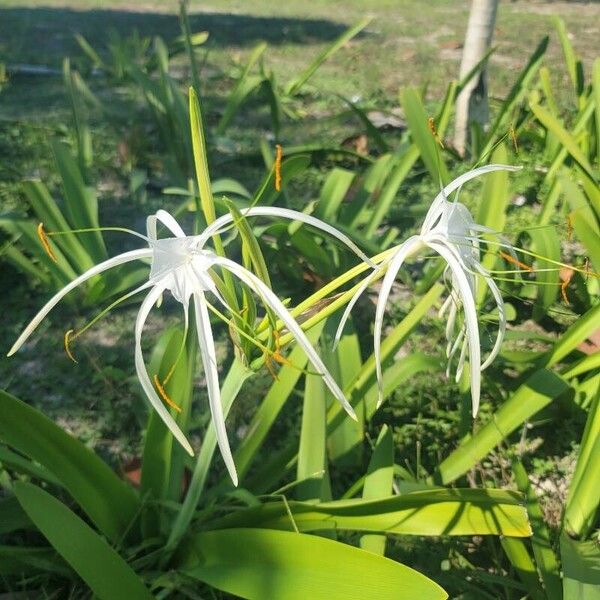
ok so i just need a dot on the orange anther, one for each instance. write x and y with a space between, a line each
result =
514 261
46 242
434 133
569 228
164 395
67 341
278 157
565 284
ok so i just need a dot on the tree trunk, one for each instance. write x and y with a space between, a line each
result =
472 102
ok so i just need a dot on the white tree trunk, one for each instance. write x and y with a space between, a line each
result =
472 102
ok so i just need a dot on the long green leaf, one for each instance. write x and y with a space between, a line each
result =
435 511
584 496
312 459
423 138
566 139
107 500
581 569
581 329
244 86
238 373
259 564
516 94
542 544
81 204
103 570
378 483
517 553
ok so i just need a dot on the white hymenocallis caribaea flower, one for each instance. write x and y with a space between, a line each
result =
450 231
182 265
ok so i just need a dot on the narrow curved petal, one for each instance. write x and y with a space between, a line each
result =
451 322
410 246
167 220
286 213
435 209
465 293
363 286
259 287
209 361
458 342
461 362
142 374
103 266
501 316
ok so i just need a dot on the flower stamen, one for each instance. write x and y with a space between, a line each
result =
67 341
564 285
434 132
278 157
164 395
511 259
46 243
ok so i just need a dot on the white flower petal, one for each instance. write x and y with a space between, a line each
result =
103 266
286 213
501 316
209 361
410 246
465 293
167 220
142 374
259 287
435 209
461 362
364 285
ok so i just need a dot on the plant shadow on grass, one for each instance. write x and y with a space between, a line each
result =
44 35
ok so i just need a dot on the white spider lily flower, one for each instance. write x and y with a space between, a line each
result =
181 264
450 231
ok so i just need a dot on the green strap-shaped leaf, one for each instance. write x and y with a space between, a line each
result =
311 469
566 139
517 553
244 86
584 493
258 564
421 135
542 546
378 483
238 373
538 391
108 501
81 204
103 570
583 327
435 511
581 569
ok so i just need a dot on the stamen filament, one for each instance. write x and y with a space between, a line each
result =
46 242
164 395
94 229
